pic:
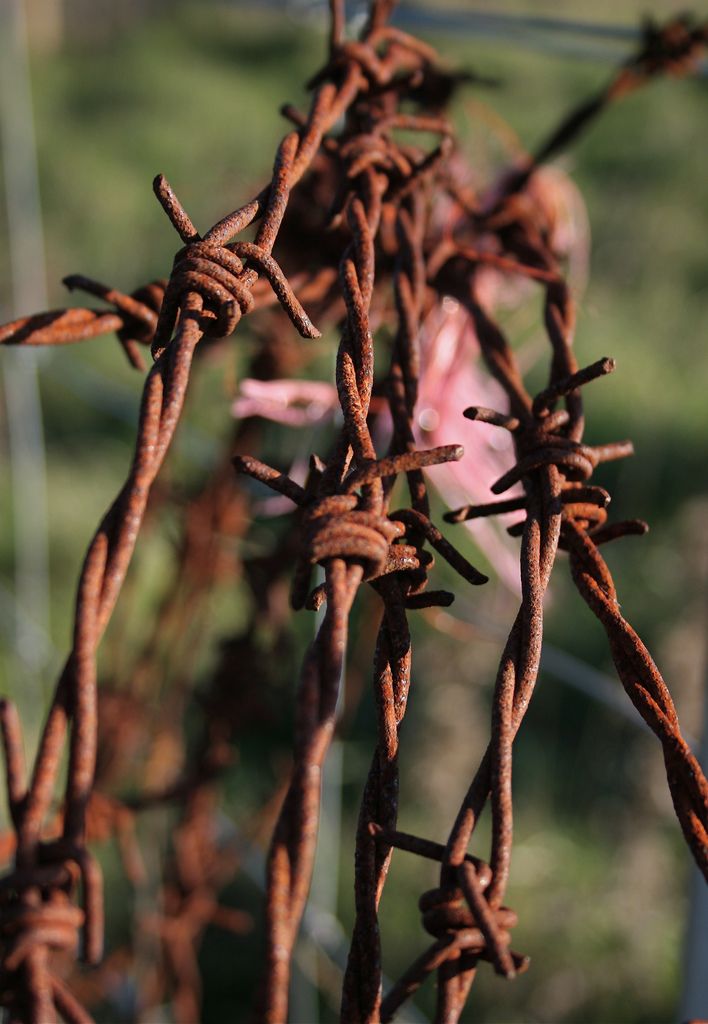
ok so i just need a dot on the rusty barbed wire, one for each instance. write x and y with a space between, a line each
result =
383 259
183 779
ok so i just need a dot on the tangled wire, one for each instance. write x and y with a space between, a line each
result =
384 255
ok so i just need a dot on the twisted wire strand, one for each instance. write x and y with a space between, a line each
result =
328 531
550 460
196 301
362 989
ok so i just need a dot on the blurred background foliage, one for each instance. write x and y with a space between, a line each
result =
599 875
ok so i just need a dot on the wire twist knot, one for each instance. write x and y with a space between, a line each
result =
212 281
482 931
213 273
336 527
37 920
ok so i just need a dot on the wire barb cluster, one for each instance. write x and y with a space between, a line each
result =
402 231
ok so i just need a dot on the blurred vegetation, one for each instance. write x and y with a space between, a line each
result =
599 873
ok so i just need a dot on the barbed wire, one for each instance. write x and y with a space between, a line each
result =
388 257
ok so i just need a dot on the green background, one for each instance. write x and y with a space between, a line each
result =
600 874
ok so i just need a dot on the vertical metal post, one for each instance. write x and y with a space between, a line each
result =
694 997
304 996
21 391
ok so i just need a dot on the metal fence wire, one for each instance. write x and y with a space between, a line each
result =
386 227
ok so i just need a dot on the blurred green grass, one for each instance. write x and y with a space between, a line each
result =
194 94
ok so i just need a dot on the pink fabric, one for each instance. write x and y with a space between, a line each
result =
452 378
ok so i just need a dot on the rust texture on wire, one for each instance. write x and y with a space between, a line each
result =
401 232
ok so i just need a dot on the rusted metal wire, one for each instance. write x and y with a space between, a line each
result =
384 259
